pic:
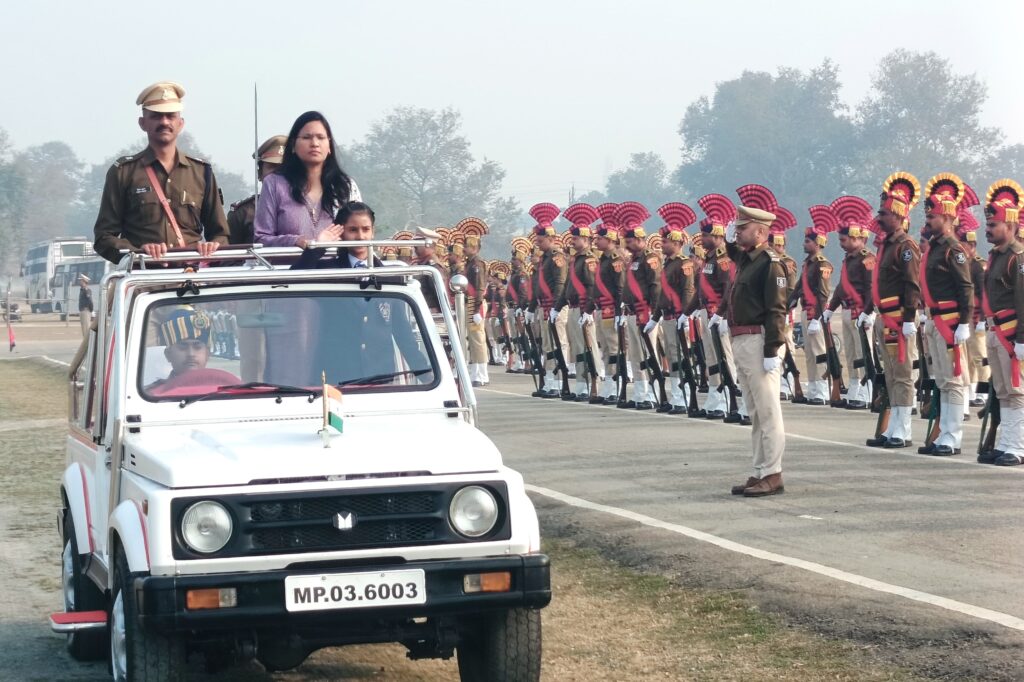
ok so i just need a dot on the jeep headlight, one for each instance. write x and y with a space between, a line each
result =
473 511
206 527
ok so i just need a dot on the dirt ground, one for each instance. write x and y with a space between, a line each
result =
606 622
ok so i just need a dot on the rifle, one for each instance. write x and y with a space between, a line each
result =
559 357
790 363
925 381
879 390
653 366
701 359
538 366
834 368
686 374
723 369
620 362
588 358
989 424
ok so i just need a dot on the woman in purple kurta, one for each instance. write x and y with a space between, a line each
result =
297 206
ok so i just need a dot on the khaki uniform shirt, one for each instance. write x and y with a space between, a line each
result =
758 296
898 263
130 213
240 218
1004 282
857 268
949 275
678 291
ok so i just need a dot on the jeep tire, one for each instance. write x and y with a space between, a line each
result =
80 594
501 647
137 653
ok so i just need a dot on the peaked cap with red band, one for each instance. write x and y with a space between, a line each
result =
545 215
1004 201
630 215
943 194
719 210
608 227
824 221
900 193
677 216
784 220
854 215
581 216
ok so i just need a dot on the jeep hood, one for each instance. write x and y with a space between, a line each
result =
239 453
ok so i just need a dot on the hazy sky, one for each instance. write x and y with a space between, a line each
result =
557 92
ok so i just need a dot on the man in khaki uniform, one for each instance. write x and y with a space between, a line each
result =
640 296
785 220
896 293
813 291
678 297
611 278
579 294
977 357
757 320
949 294
160 197
551 273
242 213
1003 302
472 229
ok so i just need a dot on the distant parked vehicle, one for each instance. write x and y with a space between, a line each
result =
41 263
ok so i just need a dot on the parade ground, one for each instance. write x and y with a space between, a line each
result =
882 564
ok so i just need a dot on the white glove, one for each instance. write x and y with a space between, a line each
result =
723 328
1018 350
683 323
909 329
715 319
962 333
813 327
921 317
980 327
865 320
771 364
529 317
651 324
585 319
826 315
477 318
730 233
620 321
552 315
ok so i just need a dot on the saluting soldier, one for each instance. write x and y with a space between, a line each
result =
160 197
609 283
757 318
475 270
579 295
785 220
678 295
715 277
1003 302
241 215
949 294
813 292
977 357
639 295
552 271
854 293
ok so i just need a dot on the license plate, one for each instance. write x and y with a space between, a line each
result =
354 590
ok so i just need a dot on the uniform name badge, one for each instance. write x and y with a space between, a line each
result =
780 282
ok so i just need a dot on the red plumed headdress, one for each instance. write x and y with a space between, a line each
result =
824 220
581 216
854 215
757 196
719 211
545 215
1004 201
630 215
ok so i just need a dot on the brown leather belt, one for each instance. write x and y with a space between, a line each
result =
743 330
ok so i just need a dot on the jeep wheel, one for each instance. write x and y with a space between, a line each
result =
80 594
502 647
135 653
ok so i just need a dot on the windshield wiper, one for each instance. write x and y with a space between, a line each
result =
383 378
262 387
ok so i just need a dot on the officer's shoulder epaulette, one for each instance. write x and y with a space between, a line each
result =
865 252
774 256
243 202
1016 246
123 160
820 258
197 159
721 251
979 258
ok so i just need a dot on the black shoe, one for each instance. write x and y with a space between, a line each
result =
677 409
714 414
894 443
583 397
913 411
697 413
841 404
550 394
877 442
611 400
626 404
943 451
509 370
568 397
538 394
664 407
977 402
799 400
815 401
477 384
645 405
1008 459
856 405
745 421
989 456
597 400
732 418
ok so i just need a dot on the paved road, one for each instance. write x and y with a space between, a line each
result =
889 534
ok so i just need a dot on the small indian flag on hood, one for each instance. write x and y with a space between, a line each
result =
332 409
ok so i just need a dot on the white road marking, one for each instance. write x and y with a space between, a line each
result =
979 612
902 452
812 518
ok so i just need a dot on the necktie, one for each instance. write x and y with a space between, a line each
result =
360 264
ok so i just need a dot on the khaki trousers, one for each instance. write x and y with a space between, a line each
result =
607 337
636 351
548 340
477 342
578 340
1002 374
899 376
942 365
761 391
670 342
814 347
85 319
715 379
853 348
976 355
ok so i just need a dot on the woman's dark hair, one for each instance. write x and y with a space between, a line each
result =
336 183
350 208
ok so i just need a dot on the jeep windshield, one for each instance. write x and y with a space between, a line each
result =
217 347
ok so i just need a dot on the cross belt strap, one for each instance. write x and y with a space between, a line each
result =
165 203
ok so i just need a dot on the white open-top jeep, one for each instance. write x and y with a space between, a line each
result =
220 497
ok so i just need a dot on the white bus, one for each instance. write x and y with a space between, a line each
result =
64 292
41 263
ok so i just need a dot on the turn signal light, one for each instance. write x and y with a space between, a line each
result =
213 598
487 582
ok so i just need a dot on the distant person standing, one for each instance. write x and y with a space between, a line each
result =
85 305
160 197
298 202
242 213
